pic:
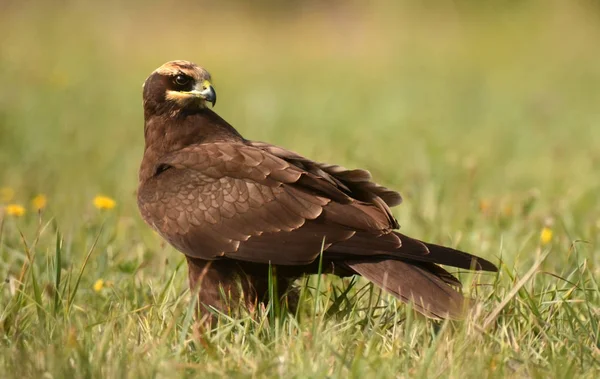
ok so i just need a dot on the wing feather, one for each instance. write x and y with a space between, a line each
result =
217 199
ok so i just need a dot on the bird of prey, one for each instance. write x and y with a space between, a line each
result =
235 207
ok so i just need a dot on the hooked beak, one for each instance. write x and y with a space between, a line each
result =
207 93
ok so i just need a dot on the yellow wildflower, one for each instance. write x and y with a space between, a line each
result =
15 210
6 194
484 205
39 202
546 235
98 285
104 202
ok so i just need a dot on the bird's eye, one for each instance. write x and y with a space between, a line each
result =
181 80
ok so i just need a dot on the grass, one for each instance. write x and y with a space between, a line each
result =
485 118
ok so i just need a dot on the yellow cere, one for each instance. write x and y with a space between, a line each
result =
6 194
39 202
15 210
546 236
98 285
104 202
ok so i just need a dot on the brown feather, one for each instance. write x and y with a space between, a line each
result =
426 291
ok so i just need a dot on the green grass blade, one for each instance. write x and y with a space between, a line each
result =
58 266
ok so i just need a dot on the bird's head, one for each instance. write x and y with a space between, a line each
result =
178 85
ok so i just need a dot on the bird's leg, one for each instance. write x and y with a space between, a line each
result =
221 285
226 285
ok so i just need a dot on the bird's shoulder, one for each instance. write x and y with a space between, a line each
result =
236 159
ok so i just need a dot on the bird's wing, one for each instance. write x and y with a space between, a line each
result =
357 183
245 202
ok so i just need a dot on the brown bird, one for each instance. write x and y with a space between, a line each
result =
235 206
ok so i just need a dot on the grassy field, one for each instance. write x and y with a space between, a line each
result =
486 119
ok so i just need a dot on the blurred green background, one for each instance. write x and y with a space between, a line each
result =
485 116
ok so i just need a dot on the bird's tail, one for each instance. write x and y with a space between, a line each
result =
429 288
411 249
411 272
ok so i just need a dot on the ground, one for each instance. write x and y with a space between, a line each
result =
485 119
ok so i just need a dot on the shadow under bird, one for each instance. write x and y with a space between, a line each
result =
235 206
